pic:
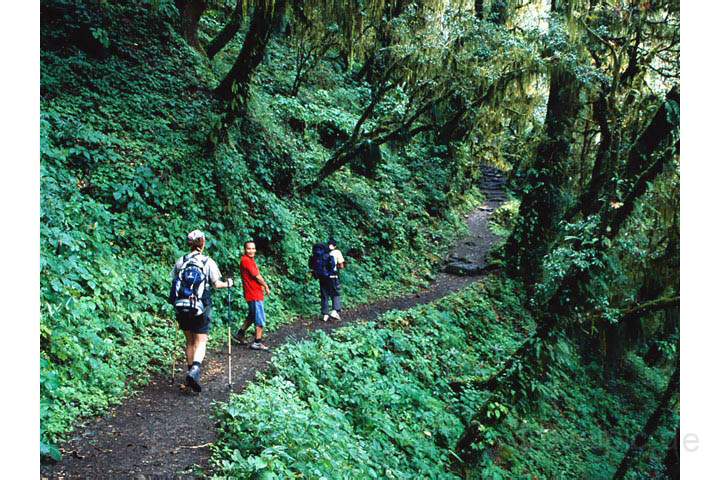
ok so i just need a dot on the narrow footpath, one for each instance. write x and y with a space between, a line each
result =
162 432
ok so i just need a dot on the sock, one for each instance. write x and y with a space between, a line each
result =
189 367
197 363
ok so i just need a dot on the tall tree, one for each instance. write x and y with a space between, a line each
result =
532 358
542 205
613 216
422 71
190 13
627 43
228 32
234 87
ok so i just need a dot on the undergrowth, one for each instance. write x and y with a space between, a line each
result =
124 177
390 399
375 400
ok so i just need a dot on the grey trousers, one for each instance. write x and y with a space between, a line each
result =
329 290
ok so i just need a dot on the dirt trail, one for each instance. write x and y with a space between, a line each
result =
161 432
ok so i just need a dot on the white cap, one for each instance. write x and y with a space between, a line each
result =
194 235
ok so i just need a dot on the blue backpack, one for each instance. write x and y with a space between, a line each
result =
189 286
321 262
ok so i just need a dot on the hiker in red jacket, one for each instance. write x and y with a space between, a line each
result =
255 288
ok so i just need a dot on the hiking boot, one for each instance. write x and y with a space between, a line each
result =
326 318
192 379
239 338
259 346
335 315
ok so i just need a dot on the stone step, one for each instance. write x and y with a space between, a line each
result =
464 268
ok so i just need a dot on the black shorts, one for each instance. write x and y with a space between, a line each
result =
199 324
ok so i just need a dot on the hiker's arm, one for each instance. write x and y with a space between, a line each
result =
220 284
214 276
263 283
340 260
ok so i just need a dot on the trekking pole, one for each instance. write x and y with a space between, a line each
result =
229 386
173 354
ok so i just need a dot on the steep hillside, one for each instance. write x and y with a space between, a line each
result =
126 107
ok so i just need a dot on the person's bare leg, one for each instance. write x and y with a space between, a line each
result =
199 348
189 347
258 333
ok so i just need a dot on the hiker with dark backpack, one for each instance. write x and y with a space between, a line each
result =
339 265
193 276
324 267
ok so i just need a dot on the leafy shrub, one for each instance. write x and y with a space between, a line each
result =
381 400
502 220
373 401
582 433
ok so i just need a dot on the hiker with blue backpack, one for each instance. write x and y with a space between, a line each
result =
325 263
193 276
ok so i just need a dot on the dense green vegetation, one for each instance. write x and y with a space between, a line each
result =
376 400
124 178
289 121
385 400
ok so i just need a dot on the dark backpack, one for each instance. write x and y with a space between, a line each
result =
189 287
321 262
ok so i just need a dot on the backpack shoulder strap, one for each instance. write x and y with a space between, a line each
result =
204 261
189 257
182 264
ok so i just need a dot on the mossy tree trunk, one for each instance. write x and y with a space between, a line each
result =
234 87
190 13
228 32
651 425
541 206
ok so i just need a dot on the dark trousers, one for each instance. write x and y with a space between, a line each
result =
329 290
